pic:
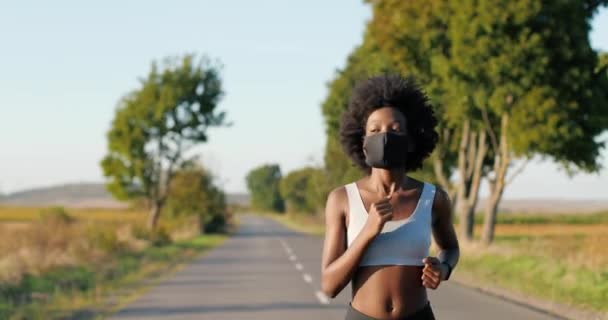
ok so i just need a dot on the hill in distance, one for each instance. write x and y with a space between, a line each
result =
95 195
80 195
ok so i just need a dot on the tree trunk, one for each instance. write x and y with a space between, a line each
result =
471 153
438 167
489 223
154 215
441 178
497 183
465 213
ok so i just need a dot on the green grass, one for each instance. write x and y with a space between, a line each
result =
65 291
541 276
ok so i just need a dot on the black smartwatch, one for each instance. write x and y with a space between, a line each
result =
447 276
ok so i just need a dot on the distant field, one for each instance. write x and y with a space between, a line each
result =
55 261
25 214
546 218
82 195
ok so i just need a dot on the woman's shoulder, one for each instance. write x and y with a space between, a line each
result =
337 194
336 205
340 193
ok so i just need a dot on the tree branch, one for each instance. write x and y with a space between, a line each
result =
517 171
464 140
486 120
472 151
438 168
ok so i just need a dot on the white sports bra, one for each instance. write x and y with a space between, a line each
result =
400 242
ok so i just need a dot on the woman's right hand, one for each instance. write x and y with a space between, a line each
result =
379 213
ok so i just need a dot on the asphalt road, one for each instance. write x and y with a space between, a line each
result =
266 271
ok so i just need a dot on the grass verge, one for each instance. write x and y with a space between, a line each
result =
90 291
543 277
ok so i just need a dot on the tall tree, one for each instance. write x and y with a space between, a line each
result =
513 80
304 190
156 124
263 184
537 90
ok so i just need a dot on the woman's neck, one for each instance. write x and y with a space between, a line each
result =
381 179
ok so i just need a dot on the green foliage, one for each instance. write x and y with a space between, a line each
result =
263 185
539 67
521 72
140 232
304 190
55 215
157 123
105 239
158 237
64 279
527 58
602 64
193 192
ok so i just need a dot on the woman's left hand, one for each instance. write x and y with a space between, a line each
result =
433 272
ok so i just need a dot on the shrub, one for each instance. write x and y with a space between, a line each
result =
56 215
105 239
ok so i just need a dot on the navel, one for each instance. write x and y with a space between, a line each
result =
389 306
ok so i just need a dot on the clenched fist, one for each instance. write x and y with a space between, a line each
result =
433 272
379 213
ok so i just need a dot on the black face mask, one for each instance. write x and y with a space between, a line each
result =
385 150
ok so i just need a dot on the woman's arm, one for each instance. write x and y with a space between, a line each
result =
339 262
437 269
443 231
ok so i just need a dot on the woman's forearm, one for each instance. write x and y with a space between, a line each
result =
339 273
449 256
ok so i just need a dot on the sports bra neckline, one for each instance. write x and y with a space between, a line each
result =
392 222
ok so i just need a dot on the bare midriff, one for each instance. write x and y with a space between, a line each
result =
389 291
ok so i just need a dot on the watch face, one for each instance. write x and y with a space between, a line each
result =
447 276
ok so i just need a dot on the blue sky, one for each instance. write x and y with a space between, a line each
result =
64 65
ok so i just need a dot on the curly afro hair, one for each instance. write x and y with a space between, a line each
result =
389 91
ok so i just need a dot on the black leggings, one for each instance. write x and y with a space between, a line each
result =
425 313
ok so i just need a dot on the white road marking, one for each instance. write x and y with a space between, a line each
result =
307 277
322 297
285 246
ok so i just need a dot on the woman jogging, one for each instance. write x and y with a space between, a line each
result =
378 228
